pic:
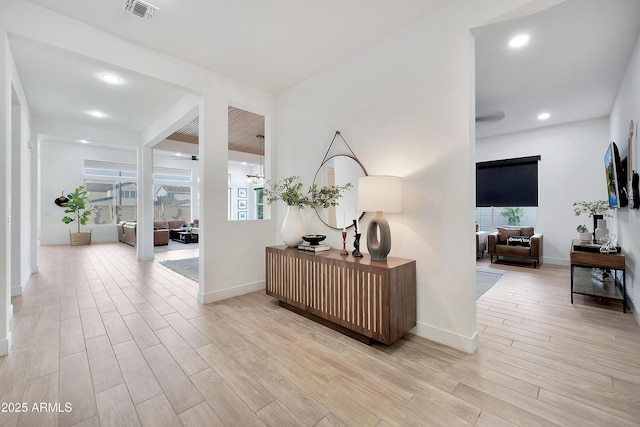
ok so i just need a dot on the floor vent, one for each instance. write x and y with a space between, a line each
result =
140 9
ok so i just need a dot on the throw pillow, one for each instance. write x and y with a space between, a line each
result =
527 231
505 232
519 241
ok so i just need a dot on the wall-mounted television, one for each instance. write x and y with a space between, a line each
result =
616 182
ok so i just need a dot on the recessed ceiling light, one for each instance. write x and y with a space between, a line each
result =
178 155
97 114
543 116
111 78
519 41
84 141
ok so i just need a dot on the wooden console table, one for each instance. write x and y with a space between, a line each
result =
361 298
584 284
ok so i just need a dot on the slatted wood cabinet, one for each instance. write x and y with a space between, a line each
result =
365 299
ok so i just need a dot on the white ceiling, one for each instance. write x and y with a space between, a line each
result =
268 44
64 87
572 67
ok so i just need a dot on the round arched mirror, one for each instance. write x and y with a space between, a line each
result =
340 170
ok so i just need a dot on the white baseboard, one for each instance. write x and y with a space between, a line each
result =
556 261
19 290
459 342
223 294
5 345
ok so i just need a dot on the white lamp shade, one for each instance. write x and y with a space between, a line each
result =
380 193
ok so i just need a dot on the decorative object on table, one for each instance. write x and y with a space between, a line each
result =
601 230
61 200
512 215
78 206
289 190
379 194
314 239
632 184
344 242
356 241
313 248
598 209
609 244
583 233
340 166
292 227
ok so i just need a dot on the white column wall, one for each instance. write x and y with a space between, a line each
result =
144 227
5 178
406 108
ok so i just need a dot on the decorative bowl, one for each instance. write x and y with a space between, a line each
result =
314 239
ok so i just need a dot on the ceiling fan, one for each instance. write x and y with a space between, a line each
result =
495 116
193 158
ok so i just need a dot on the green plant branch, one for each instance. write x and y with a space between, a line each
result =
289 190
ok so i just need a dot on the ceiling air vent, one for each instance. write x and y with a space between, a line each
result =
139 8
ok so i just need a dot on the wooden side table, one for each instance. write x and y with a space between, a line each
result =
584 284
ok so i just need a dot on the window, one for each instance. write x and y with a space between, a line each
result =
112 191
507 192
510 182
172 194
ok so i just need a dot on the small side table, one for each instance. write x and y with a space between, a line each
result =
584 284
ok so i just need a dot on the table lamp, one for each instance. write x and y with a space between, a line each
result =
379 194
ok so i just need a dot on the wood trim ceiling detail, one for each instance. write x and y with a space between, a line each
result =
244 126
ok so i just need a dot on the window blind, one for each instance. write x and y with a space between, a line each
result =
509 182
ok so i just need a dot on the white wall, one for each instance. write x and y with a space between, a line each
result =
62 169
405 106
571 169
625 109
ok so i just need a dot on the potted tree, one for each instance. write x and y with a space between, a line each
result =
80 210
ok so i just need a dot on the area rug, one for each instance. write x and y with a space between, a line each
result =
175 246
188 267
485 279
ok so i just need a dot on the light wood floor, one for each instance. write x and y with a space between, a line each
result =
126 343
